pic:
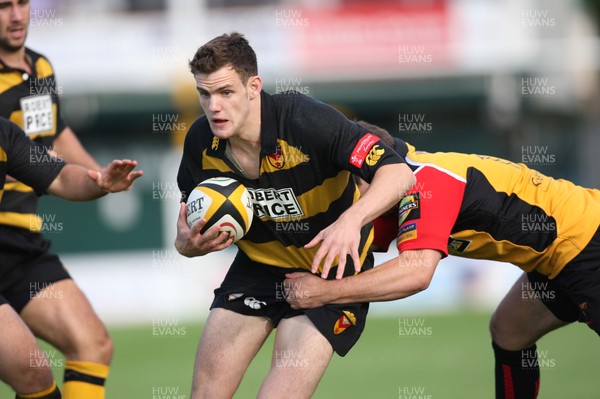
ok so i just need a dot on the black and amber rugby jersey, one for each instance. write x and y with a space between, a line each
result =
484 207
16 159
31 101
308 153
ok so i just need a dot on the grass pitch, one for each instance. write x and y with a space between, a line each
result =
430 357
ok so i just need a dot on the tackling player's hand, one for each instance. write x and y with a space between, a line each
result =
305 290
339 240
116 176
190 242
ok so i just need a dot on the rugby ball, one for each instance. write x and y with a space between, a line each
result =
221 201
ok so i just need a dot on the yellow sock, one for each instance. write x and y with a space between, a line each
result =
84 380
49 393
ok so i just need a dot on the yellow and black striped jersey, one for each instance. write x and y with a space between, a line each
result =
309 152
484 207
31 101
16 159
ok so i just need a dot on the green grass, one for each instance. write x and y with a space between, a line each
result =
450 357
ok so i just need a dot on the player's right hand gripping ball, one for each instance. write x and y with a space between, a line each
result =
224 202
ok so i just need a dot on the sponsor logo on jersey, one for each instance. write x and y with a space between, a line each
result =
374 155
456 245
275 203
362 148
37 113
277 160
409 206
346 320
254 303
408 232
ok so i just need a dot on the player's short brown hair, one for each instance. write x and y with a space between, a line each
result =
228 49
379 132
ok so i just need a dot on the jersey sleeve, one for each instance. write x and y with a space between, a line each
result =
429 211
30 162
349 146
190 159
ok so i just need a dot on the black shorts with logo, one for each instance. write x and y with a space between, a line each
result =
255 289
574 294
26 266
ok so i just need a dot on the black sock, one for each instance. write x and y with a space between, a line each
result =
517 373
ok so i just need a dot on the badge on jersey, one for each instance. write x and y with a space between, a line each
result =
363 149
408 232
457 246
37 114
346 320
277 159
409 208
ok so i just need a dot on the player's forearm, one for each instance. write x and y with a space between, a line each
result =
389 185
403 276
73 184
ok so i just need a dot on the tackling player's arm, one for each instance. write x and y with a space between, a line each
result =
422 243
409 273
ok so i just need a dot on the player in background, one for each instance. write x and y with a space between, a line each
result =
296 156
29 98
486 208
23 364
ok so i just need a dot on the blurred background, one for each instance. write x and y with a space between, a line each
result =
516 79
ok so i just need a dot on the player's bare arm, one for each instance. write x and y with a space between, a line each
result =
75 183
68 147
190 242
409 273
390 183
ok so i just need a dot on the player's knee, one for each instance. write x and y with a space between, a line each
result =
506 334
106 349
95 347
499 328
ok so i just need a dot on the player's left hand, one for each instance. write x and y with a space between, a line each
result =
116 176
305 290
338 240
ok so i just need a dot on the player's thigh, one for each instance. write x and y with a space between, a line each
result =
300 356
23 364
228 344
521 317
62 315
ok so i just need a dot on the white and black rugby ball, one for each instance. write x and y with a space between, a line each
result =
221 201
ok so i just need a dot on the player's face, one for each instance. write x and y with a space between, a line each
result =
225 101
14 21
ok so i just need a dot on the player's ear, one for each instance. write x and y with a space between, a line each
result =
254 86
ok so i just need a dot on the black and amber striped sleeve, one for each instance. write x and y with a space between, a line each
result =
27 161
